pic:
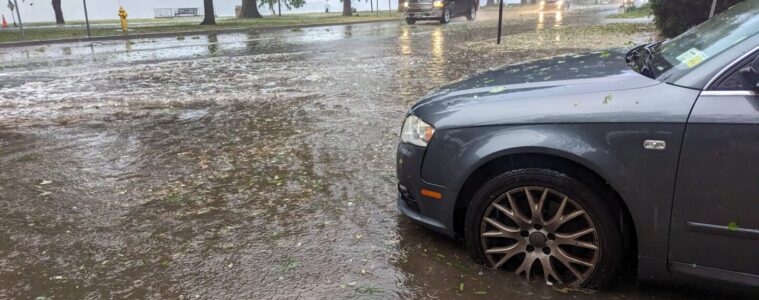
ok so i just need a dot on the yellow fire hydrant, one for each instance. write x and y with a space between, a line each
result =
123 15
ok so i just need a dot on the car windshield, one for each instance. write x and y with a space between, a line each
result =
678 56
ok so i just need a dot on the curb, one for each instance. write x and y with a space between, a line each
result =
178 33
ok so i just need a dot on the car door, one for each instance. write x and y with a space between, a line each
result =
715 217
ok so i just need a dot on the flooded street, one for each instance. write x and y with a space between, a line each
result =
247 165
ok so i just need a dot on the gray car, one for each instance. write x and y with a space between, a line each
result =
558 169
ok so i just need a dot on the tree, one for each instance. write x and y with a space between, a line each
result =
250 9
58 12
289 4
209 18
490 3
347 11
674 17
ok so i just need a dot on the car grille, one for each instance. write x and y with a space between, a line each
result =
419 5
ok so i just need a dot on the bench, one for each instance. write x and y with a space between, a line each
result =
175 12
186 12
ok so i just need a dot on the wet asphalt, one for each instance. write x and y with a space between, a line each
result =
249 165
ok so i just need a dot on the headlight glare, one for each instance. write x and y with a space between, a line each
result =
416 132
437 4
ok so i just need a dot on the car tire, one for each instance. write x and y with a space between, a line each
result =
410 21
446 18
525 249
472 14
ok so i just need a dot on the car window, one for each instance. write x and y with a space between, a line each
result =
734 80
680 55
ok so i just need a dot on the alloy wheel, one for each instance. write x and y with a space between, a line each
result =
537 232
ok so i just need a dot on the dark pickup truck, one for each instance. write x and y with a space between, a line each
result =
439 10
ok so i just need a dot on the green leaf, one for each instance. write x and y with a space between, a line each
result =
732 226
607 99
497 89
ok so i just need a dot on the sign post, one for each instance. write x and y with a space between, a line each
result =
500 21
86 18
18 14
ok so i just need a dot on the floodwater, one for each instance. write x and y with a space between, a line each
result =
251 165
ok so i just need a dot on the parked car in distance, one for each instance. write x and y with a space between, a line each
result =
554 5
439 10
556 169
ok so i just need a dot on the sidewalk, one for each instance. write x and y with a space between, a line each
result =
53 35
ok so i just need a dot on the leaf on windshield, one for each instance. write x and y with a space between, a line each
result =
497 89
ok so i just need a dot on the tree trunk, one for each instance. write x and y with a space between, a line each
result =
250 9
209 18
58 12
490 3
347 8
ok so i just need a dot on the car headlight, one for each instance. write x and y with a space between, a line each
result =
405 4
416 132
438 4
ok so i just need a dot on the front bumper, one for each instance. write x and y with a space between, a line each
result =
437 214
425 14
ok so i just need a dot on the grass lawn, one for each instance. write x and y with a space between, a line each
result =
634 13
186 25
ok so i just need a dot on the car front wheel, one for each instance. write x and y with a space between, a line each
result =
446 16
544 225
472 13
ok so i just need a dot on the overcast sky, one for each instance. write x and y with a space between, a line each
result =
42 10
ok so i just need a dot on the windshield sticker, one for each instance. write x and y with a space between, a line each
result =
692 57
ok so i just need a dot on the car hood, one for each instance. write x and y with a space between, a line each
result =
510 94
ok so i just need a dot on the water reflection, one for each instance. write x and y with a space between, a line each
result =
213 47
438 63
348 31
557 18
252 41
128 46
541 21
405 41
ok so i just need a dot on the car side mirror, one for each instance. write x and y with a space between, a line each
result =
750 75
